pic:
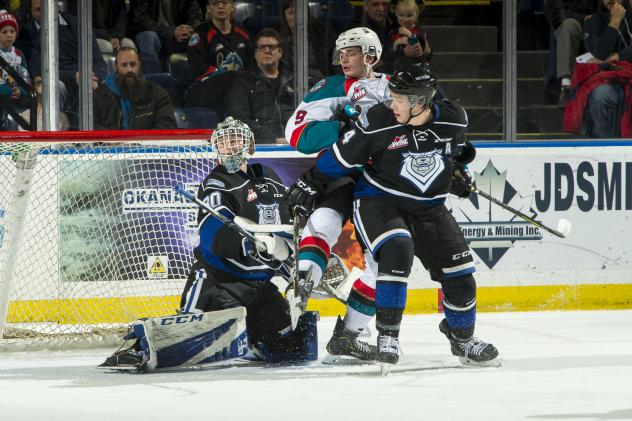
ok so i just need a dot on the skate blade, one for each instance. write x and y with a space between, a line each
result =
385 368
123 368
345 360
471 363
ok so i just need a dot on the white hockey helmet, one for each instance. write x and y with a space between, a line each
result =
233 141
361 37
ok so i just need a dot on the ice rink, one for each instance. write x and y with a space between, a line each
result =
556 366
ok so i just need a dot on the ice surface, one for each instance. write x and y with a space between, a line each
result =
556 366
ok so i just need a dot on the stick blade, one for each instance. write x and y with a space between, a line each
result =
564 226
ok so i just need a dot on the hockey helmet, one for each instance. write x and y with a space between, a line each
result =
361 37
417 82
233 141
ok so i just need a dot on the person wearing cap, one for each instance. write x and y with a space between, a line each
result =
9 87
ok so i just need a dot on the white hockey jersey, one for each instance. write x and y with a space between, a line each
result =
312 127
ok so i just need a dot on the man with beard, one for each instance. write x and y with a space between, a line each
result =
126 101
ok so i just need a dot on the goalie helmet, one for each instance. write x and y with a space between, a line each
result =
233 141
361 37
417 82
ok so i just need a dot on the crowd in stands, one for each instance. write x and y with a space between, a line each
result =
153 57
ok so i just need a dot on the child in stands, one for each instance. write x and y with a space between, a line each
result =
409 43
9 87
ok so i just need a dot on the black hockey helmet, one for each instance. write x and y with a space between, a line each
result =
417 82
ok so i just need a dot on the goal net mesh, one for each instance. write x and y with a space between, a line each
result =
92 237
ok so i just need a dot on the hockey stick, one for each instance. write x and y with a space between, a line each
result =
229 223
294 298
563 225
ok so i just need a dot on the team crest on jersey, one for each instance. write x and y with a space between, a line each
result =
269 214
252 195
359 92
319 85
398 143
422 168
194 40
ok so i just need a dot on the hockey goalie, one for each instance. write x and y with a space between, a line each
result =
229 307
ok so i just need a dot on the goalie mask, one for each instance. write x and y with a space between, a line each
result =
362 37
233 141
416 82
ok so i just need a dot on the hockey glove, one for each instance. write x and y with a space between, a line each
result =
347 113
268 247
302 195
462 182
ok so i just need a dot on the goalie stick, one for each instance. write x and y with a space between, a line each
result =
563 226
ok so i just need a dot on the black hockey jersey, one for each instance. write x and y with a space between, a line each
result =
210 51
256 195
403 161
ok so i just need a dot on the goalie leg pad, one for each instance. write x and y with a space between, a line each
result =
193 338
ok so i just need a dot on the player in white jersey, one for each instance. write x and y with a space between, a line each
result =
317 124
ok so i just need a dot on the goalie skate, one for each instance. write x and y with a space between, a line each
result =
344 343
128 359
472 352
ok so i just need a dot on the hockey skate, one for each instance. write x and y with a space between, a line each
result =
346 343
125 360
388 352
472 351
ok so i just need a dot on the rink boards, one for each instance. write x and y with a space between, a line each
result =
518 266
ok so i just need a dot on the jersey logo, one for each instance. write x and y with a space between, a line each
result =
359 92
319 85
398 143
252 195
422 168
194 40
269 214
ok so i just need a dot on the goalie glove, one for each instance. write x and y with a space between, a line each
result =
462 181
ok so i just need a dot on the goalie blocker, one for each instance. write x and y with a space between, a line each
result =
185 340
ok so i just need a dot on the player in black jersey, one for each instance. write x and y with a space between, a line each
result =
231 271
413 153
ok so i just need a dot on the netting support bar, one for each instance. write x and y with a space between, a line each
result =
25 164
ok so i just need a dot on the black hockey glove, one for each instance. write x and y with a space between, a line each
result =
302 195
462 181
347 114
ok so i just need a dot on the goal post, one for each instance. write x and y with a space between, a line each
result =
92 233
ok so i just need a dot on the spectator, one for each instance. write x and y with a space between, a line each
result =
216 51
26 114
9 89
608 37
126 101
109 18
68 56
410 45
263 96
321 40
566 18
378 18
162 27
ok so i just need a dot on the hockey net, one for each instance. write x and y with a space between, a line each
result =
92 233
